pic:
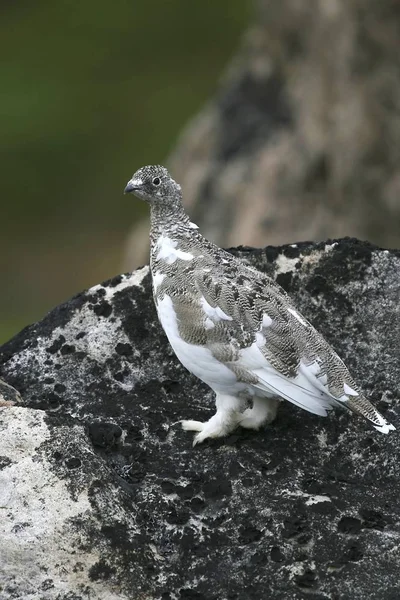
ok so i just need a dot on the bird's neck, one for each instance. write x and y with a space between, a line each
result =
170 221
171 233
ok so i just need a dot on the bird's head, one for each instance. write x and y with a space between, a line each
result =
154 185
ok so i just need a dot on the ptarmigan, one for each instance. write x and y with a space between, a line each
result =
234 327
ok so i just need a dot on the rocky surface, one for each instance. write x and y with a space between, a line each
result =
103 497
8 394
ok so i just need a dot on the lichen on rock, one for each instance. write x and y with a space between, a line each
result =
103 496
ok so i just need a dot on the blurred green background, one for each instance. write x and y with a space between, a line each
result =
89 92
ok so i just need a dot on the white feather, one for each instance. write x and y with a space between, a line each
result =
266 321
349 391
297 316
168 251
215 314
157 280
299 390
208 324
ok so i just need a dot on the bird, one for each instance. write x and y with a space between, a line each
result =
234 327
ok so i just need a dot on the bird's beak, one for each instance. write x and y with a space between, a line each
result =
132 185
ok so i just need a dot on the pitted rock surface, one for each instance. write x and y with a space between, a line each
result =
103 496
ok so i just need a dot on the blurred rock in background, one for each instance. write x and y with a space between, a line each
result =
302 140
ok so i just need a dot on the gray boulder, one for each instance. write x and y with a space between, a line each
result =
103 497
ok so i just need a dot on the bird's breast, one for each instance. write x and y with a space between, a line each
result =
196 358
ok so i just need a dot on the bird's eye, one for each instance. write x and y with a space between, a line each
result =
156 181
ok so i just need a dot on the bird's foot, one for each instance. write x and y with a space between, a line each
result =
218 426
225 420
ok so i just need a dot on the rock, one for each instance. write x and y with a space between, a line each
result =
8 394
103 496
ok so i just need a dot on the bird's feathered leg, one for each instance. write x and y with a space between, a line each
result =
262 412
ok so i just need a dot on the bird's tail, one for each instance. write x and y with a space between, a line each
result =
363 407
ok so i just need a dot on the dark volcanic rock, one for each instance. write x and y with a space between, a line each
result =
102 495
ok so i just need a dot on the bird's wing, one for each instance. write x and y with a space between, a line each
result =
254 329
